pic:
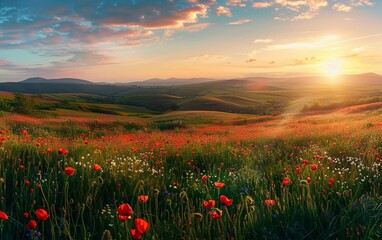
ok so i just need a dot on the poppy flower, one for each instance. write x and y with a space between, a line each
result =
216 214
97 167
209 204
3 215
26 215
125 210
122 218
49 150
41 214
135 234
286 181
270 202
141 225
27 183
69 171
143 198
62 151
218 184
204 178
313 167
225 201
298 170
308 179
331 180
31 225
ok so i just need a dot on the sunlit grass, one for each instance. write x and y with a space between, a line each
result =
341 199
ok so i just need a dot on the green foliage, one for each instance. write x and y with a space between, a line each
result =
24 104
5 105
168 125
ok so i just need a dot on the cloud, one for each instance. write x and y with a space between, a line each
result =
324 41
220 11
195 27
83 58
291 10
304 61
35 24
262 4
236 3
360 3
84 33
251 60
208 58
263 40
339 7
240 21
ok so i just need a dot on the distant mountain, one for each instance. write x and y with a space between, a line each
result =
56 81
169 81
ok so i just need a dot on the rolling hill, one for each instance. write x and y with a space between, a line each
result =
259 95
40 80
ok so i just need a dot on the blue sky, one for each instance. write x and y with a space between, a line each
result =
121 41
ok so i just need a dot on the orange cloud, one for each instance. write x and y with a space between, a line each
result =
261 4
220 11
240 21
339 7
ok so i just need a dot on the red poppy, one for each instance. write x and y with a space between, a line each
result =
125 210
27 183
122 218
204 178
313 167
143 198
49 150
41 214
298 170
270 202
331 180
141 225
216 214
225 201
209 204
31 225
330 184
286 181
97 167
135 234
3 215
305 162
26 215
69 171
62 151
219 184
308 179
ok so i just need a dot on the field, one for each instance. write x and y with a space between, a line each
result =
193 175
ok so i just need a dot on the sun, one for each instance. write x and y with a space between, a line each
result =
332 68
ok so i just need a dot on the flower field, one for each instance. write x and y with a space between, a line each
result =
315 177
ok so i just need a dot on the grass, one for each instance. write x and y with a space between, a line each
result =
252 158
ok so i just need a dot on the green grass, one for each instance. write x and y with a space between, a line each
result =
168 166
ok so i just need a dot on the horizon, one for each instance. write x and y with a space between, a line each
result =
207 79
121 42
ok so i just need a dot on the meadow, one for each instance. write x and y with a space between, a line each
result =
192 175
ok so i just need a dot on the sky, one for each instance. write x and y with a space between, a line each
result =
130 40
